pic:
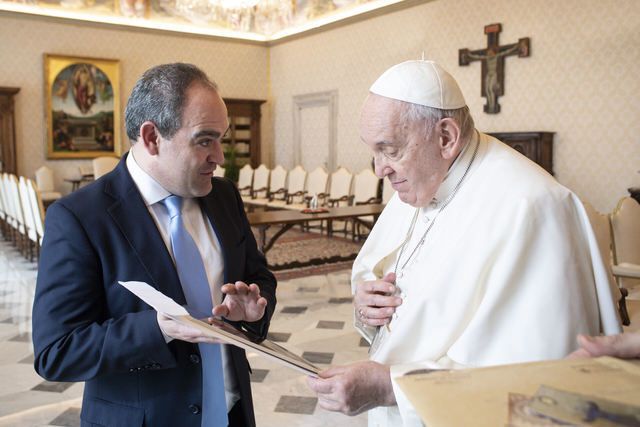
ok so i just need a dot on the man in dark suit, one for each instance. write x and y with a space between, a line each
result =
140 367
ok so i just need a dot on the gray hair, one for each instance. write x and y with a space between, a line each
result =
159 97
429 116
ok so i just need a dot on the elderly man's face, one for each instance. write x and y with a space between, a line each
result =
186 162
414 165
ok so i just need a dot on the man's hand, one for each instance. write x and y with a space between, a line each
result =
179 331
375 302
242 302
625 346
354 388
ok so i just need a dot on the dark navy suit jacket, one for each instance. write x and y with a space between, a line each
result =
87 327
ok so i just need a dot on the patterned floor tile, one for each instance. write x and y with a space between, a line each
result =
308 290
363 343
330 324
23 337
28 360
69 418
297 405
318 357
278 336
258 375
16 319
293 310
346 300
51 386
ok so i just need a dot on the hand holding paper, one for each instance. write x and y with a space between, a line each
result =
354 388
168 309
214 330
179 331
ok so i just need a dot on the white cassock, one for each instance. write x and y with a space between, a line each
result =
509 272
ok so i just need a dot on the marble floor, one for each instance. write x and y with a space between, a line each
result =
313 318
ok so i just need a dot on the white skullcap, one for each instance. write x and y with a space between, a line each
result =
420 82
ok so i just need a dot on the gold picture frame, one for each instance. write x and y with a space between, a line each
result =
82 107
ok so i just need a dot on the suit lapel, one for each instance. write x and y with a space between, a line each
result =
132 217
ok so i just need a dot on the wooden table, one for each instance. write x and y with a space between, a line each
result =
77 182
288 218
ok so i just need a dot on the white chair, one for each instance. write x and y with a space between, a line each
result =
340 188
316 186
245 182
44 179
219 172
31 236
365 191
86 171
602 230
260 182
6 205
625 227
38 213
340 195
103 165
3 209
17 214
277 189
295 189
277 178
387 190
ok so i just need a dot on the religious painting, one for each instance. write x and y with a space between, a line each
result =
82 107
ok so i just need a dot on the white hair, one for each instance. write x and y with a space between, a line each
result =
429 116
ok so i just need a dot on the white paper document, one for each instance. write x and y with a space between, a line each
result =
219 329
156 299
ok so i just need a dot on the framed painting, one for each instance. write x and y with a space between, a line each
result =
82 107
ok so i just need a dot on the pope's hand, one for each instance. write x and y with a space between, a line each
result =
375 302
625 346
242 302
354 388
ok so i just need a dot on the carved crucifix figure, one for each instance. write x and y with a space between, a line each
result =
493 64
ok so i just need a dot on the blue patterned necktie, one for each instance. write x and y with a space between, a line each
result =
195 286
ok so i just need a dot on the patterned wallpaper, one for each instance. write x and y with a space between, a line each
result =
581 80
239 69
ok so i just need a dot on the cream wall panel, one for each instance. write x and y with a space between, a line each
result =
239 69
314 141
580 80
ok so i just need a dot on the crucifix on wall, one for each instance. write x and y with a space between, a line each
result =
493 64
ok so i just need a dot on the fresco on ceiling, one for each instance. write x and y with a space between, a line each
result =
263 17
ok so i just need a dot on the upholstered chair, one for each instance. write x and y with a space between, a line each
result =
44 179
103 165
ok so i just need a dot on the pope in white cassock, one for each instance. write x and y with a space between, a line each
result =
480 258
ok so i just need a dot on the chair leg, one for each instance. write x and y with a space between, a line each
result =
622 307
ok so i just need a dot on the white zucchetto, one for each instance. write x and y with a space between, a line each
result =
420 82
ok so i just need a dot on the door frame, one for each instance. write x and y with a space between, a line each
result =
328 99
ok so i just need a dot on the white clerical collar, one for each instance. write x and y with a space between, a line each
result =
455 172
151 191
